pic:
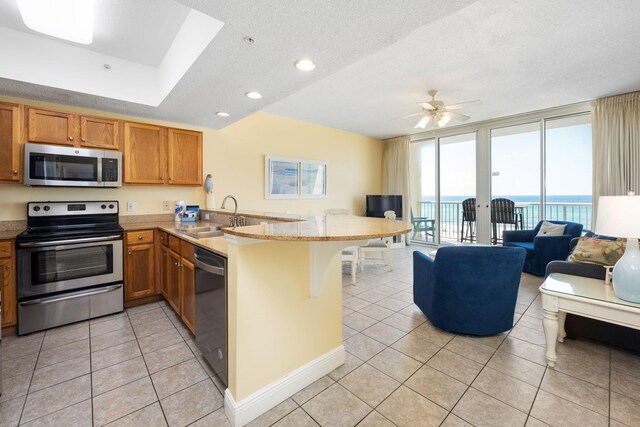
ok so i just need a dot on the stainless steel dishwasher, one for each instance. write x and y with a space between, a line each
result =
211 309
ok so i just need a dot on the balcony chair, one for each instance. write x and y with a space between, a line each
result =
468 289
468 216
503 211
541 250
424 225
378 247
350 254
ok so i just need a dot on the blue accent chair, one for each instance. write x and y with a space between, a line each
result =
468 289
543 249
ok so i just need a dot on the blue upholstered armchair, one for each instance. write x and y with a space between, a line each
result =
468 289
541 250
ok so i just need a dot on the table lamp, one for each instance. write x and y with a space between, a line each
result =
619 216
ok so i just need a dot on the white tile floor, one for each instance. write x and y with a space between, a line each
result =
141 368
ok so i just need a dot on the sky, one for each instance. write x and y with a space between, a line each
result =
515 163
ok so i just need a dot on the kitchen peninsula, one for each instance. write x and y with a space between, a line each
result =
285 305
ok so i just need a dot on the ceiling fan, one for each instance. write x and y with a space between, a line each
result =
438 114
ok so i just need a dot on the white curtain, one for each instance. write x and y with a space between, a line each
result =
396 177
616 146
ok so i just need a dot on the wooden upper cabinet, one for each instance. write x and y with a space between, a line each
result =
52 127
184 157
144 153
97 132
10 141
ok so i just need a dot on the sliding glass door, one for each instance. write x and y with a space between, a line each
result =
424 203
472 186
569 169
515 178
458 188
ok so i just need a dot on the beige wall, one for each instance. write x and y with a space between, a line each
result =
274 325
235 158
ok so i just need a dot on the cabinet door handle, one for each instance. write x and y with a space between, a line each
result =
170 178
139 237
83 139
130 252
71 138
15 172
164 254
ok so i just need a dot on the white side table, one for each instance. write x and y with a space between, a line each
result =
563 293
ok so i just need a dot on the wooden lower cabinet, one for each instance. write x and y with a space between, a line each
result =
188 313
165 263
139 265
174 282
178 278
8 284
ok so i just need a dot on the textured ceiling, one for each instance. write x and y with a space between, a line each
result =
375 59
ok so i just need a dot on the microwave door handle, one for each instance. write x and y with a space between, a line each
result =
100 160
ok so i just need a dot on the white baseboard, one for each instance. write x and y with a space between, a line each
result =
259 402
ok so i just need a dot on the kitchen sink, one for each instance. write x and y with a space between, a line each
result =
202 232
206 234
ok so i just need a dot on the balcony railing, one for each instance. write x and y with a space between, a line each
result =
451 217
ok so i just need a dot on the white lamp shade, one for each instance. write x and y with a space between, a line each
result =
618 216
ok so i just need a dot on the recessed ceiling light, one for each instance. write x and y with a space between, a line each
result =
253 95
222 114
65 19
305 65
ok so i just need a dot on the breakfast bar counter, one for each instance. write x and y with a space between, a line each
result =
284 305
324 228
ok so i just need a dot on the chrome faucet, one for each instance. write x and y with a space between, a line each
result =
235 220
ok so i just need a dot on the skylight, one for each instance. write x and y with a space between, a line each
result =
65 19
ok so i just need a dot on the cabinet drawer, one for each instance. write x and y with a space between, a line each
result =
186 250
135 237
164 238
5 249
174 244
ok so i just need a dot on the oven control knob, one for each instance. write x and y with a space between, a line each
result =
46 208
104 206
111 206
36 208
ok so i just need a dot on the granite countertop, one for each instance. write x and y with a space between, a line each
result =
324 228
9 234
214 244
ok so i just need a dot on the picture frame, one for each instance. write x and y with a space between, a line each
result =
294 178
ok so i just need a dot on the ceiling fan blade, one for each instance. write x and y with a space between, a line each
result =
463 104
423 122
458 116
410 115
426 105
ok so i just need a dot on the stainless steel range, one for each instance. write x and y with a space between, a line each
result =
69 264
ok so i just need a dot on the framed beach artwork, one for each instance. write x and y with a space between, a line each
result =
292 178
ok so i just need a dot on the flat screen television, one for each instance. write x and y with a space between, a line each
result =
378 204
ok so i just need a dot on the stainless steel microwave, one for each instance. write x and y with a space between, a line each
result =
51 165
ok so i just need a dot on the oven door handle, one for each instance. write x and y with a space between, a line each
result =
74 295
71 241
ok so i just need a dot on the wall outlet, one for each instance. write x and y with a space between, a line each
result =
131 206
165 205
206 216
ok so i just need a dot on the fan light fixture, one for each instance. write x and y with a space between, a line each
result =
443 119
65 19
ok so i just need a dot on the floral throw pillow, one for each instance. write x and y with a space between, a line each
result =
598 251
